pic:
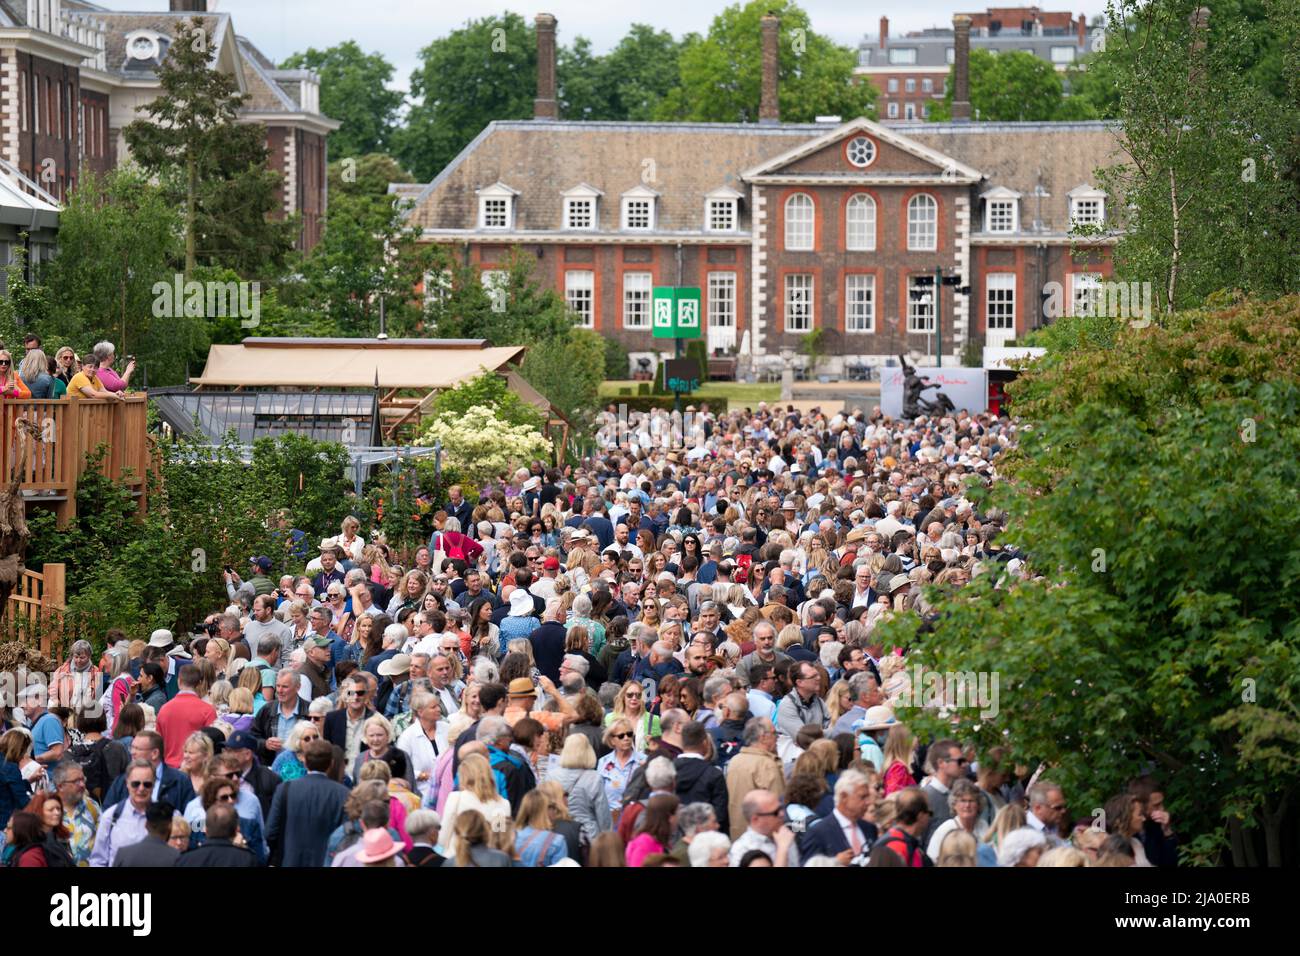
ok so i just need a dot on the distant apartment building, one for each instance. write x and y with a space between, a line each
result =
910 71
73 74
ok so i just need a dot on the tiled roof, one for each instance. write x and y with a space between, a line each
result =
1042 161
681 161
1023 156
120 24
265 95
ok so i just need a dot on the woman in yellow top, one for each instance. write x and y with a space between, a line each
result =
86 384
11 386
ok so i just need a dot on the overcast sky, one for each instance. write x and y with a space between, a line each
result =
399 28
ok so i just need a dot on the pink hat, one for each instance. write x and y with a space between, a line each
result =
377 845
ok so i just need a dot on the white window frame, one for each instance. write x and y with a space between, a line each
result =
920 315
892 84
927 85
721 215
922 236
576 293
950 55
909 85
902 56
722 305
798 296
1002 215
1062 54
860 235
1093 200
578 208
909 111
1000 302
869 149
637 296
496 283
488 198
800 223
860 303
1088 283
893 110
634 198
437 287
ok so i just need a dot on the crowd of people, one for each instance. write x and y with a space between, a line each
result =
38 375
671 656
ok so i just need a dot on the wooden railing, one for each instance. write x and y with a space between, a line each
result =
68 429
35 608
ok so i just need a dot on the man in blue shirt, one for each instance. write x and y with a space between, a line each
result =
48 742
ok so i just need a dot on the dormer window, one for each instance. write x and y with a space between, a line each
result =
1001 210
722 210
145 49
580 211
496 206
639 209
1087 206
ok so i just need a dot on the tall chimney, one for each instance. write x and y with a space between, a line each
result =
884 31
1083 31
189 6
545 106
961 68
769 108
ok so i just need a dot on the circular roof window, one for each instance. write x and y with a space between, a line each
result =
861 151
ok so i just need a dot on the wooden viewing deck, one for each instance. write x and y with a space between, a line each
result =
69 429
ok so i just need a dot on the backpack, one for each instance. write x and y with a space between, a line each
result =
90 757
743 562
453 551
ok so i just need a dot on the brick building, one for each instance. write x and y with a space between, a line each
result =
784 227
73 74
910 71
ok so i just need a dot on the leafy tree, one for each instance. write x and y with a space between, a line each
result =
568 370
492 391
1011 86
625 84
311 477
1155 490
367 252
486 70
354 90
1201 219
721 73
532 313
118 237
210 165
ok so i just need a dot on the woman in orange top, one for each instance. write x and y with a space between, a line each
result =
11 386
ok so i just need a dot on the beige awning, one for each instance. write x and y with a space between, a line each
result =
351 363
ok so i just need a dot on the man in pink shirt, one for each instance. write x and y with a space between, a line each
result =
182 715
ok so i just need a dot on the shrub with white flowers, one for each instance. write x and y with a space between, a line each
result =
480 446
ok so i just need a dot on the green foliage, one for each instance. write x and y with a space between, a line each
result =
1013 86
492 391
1156 490
209 164
533 312
24 305
616 359
119 236
568 370
813 345
367 252
698 350
484 71
628 83
312 477
721 73
354 90
1201 220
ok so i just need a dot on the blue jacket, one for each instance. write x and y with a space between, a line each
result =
14 792
304 812
514 778
825 838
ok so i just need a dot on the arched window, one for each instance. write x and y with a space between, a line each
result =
799 216
860 223
922 223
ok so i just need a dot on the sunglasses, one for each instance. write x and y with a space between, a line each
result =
4 361
138 784
226 798
621 736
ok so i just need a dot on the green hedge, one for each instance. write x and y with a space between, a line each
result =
643 403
